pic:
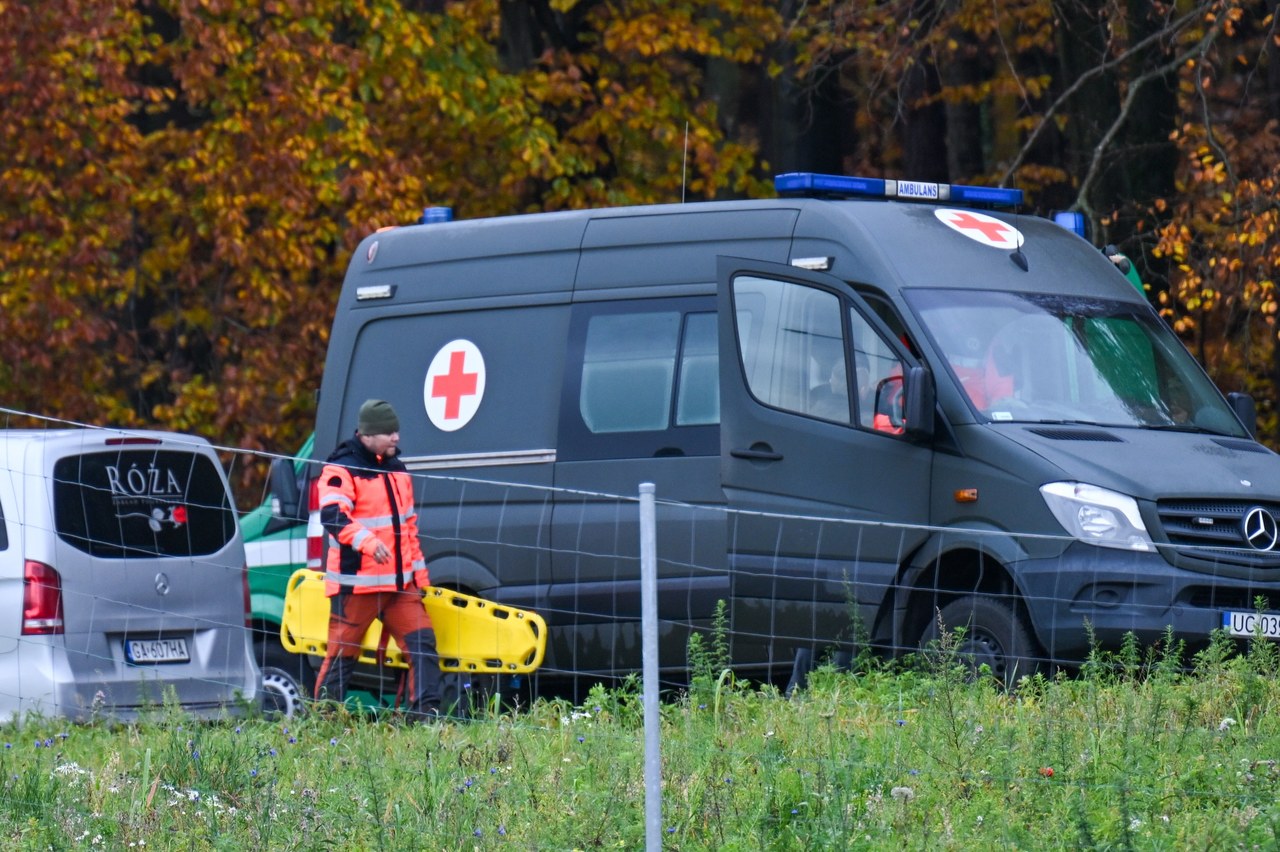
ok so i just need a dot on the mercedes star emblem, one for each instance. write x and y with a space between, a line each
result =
1260 529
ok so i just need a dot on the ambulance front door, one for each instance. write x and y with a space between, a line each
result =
827 495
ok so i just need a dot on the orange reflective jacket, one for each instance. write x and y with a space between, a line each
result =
366 499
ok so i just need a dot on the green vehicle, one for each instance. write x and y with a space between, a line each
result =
275 535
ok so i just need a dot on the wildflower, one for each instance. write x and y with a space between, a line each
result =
671 829
253 773
333 741
293 740
8 745
900 722
274 752
979 819
195 755
1225 724
477 832
1046 771
582 739
903 794
913 771
237 729
502 831
1135 824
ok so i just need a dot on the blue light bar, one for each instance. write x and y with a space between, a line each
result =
809 183
435 215
997 195
1071 220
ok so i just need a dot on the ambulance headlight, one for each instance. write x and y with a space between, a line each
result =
1097 515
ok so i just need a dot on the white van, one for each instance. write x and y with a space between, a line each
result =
122 578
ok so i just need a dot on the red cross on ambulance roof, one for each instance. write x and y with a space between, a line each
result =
454 385
980 227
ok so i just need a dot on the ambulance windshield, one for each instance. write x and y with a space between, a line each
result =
1040 358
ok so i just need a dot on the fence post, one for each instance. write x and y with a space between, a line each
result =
649 639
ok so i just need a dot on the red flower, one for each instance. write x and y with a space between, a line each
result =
1046 771
179 514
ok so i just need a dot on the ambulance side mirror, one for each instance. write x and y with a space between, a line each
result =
1243 405
285 499
921 400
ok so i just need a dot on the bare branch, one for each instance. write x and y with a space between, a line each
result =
1062 100
1135 87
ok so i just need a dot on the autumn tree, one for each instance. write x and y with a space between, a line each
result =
184 180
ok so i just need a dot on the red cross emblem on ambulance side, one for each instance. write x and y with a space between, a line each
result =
980 227
454 385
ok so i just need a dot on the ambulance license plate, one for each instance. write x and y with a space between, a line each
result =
1264 624
156 651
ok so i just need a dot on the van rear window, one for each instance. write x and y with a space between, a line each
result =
133 503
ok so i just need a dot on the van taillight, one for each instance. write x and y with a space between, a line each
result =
41 600
315 530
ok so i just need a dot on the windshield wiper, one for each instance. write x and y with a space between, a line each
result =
1189 428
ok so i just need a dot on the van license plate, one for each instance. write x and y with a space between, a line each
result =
156 651
1266 624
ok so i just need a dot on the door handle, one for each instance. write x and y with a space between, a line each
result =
757 452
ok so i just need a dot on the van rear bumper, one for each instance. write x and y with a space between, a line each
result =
1117 592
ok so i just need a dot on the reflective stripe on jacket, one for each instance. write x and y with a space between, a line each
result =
364 500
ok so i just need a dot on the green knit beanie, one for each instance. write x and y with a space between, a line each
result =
377 417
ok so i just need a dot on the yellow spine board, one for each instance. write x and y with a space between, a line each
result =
472 634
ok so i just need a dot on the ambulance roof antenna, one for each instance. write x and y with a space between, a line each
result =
684 165
1019 259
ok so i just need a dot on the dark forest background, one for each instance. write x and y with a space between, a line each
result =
182 181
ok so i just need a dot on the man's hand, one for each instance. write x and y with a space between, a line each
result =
379 551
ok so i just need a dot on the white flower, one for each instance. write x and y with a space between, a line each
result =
903 794
1225 724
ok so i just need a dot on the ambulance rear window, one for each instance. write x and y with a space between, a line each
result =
142 503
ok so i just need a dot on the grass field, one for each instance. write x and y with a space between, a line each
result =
1140 750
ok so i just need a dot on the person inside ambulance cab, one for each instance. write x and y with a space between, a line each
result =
377 570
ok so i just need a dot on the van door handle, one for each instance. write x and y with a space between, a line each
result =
758 451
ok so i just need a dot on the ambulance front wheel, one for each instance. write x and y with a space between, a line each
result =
993 635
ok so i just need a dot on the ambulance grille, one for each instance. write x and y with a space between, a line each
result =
1209 532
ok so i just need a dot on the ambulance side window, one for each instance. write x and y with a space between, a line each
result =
791 345
643 380
799 357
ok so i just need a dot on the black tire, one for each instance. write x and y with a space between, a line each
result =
287 679
995 635
467 696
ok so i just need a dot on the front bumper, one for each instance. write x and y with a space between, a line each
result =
1114 592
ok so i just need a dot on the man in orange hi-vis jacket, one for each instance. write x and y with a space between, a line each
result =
377 569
